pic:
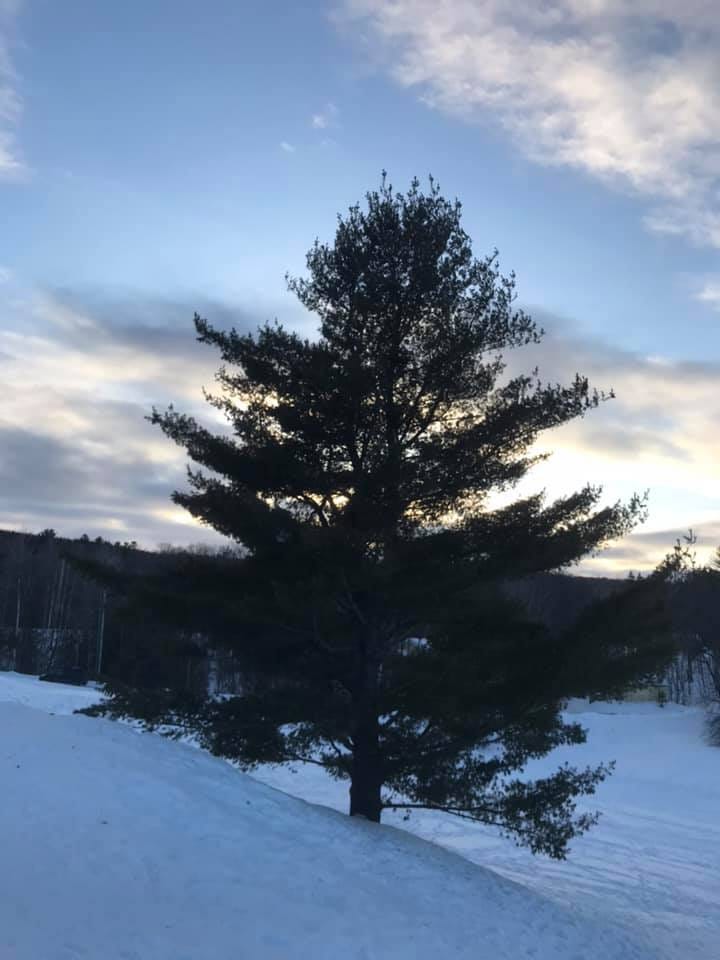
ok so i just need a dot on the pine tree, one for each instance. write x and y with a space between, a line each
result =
359 476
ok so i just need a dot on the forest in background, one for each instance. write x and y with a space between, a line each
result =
54 616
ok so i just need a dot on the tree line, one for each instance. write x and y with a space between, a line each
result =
56 618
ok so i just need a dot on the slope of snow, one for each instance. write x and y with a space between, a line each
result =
651 865
51 697
124 846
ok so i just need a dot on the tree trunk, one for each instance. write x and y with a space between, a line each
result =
366 774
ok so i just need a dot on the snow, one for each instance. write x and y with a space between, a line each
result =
651 865
127 846
51 697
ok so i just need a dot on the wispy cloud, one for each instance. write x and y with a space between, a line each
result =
625 90
709 292
5 275
658 434
327 117
78 454
11 164
287 147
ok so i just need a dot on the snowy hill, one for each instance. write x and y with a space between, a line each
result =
651 865
119 845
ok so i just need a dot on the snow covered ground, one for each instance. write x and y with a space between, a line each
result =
120 845
51 697
652 864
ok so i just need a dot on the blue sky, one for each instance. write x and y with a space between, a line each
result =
161 157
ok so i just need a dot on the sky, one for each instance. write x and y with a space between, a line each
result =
167 157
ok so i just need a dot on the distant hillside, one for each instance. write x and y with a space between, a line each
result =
558 599
53 616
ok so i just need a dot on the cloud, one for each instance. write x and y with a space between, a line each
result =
80 373
81 370
640 551
5 275
709 292
11 164
627 91
694 219
325 118
287 147
659 433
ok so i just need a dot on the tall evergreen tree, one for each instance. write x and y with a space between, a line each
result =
359 476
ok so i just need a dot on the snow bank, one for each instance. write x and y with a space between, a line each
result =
51 697
123 846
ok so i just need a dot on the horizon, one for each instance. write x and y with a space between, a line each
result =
180 162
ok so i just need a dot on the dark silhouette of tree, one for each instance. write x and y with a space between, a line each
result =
359 478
